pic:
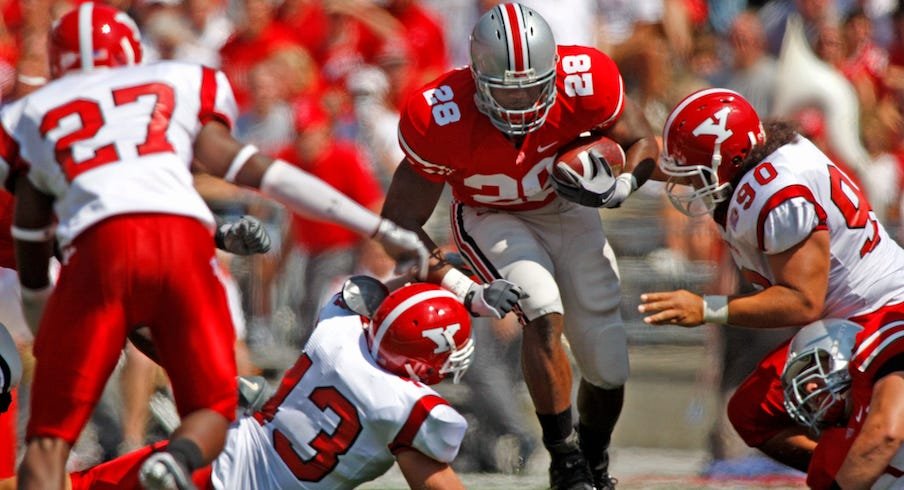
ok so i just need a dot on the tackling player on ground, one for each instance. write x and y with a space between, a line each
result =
357 401
845 383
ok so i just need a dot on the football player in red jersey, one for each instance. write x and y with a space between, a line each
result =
845 383
100 159
492 131
798 228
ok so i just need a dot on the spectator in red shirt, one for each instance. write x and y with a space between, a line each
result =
425 37
865 62
329 252
257 36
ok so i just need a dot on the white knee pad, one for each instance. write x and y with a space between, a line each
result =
538 283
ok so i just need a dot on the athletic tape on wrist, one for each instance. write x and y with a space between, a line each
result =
31 80
32 234
456 282
239 161
715 309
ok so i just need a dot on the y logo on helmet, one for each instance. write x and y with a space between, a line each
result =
716 128
438 336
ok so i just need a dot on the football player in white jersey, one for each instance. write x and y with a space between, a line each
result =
100 158
357 401
798 228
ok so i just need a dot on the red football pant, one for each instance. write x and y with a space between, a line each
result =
122 473
125 272
8 437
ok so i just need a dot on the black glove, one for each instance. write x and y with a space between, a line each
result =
6 399
243 237
495 299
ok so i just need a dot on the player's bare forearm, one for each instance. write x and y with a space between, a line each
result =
797 297
635 134
792 447
33 215
422 472
409 203
879 439
773 307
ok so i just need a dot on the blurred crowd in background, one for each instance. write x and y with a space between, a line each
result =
320 84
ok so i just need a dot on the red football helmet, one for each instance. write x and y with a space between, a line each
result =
705 140
93 35
422 332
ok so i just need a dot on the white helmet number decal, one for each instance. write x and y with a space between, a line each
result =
440 336
716 128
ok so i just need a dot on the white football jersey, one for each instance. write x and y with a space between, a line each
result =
795 191
336 419
116 141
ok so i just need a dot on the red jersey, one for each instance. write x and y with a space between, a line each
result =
240 54
342 167
878 343
446 138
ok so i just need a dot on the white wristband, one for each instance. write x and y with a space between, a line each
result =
239 161
630 178
715 309
32 234
31 80
456 282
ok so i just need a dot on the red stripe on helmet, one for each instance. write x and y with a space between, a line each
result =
516 37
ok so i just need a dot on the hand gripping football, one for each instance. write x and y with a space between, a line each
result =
576 155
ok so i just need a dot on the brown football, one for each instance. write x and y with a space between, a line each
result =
575 155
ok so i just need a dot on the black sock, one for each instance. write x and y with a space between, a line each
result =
186 452
600 409
556 427
595 446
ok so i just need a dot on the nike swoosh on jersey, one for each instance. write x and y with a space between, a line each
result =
541 149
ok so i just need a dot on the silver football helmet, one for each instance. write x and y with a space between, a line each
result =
513 60
816 379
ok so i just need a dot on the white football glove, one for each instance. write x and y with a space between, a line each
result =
246 236
495 299
599 190
404 246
